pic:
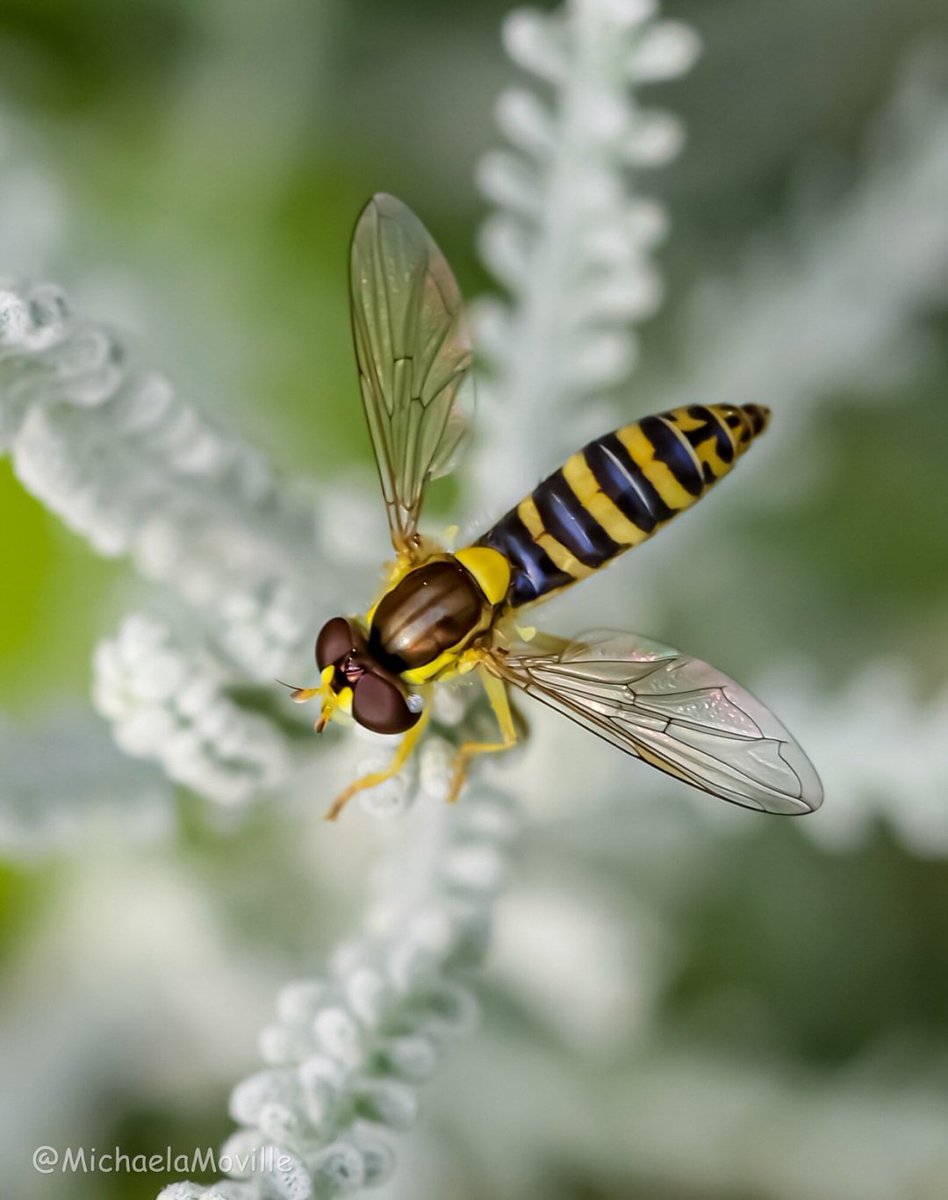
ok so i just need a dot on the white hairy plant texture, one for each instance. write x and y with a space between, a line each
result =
238 567
843 287
112 450
569 219
136 472
347 1052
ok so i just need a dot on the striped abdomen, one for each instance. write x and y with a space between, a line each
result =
616 491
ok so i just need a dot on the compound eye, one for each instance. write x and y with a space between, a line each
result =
337 638
380 705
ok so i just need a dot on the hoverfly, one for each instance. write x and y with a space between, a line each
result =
444 614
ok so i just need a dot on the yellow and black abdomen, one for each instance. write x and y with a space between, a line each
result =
615 493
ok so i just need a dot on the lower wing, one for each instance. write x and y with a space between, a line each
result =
677 713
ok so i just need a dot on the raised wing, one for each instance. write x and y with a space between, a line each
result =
413 353
675 712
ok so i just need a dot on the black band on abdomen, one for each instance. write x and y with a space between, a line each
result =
533 572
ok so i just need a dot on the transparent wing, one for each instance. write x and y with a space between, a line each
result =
413 353
675 712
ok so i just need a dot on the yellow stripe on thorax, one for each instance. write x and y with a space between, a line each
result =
557 552
586 488
490 568
659 475
440 666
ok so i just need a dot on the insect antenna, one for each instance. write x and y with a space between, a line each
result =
299 695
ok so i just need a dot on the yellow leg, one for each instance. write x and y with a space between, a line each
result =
497 695
400 757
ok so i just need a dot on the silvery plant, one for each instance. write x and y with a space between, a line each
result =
234 560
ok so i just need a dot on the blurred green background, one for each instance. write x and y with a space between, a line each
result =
204 164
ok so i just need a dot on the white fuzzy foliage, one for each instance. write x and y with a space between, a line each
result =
570 238
835 304
125 463
112 450
346 1054
170 703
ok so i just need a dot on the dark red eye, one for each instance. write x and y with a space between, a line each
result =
337 638
380 705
